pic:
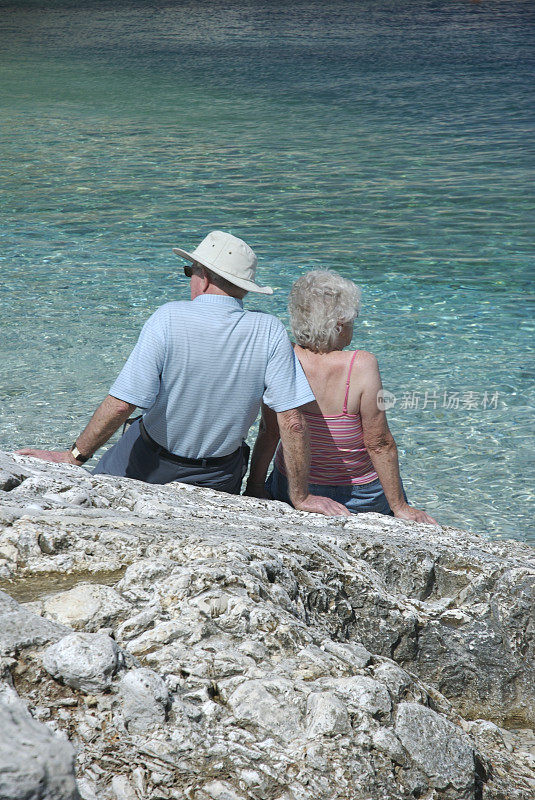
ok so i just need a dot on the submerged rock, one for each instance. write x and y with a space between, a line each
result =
245 650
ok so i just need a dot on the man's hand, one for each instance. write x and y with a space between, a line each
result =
58 456
315 504
110 414
415 514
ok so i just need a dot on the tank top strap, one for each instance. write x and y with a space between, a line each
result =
348 382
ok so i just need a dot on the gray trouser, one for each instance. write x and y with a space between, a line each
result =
132 457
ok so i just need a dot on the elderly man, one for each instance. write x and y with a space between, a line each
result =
200 370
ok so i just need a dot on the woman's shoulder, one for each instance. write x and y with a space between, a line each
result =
365 370
363 358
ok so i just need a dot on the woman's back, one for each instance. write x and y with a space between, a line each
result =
327 374
337 452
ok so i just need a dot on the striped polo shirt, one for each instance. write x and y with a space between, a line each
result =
200 369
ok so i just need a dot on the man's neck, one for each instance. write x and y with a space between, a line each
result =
216 290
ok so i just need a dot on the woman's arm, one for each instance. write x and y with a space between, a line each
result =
263 451
381 446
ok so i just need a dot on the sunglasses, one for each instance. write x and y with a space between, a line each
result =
191 269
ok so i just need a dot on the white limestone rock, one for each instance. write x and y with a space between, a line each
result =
385 740
437 747
122 788
86 606
218 790
362 693
87 789
396 679
291 647
138 623
353 654
12 474
271 706
86 661
34 764
145 699
326 715
21 628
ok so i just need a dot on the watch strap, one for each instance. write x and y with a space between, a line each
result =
78 456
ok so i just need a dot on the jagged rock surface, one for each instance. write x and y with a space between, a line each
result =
264 653
34 764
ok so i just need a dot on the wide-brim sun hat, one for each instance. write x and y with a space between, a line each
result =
229 257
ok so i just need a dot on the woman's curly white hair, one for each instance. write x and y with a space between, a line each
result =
321 302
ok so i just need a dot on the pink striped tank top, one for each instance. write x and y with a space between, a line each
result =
337 452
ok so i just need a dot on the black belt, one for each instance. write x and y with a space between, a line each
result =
188 462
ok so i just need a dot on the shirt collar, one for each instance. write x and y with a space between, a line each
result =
219 300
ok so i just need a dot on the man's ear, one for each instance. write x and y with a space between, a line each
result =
205 279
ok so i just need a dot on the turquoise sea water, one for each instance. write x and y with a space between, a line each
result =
391 140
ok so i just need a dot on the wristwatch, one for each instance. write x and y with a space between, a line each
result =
78 456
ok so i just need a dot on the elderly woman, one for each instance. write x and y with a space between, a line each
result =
353 455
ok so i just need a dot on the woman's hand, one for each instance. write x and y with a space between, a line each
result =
263 451
257 490
381 446
415 514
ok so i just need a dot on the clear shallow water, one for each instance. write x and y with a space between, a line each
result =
391 141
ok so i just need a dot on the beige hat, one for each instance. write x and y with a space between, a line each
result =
229 257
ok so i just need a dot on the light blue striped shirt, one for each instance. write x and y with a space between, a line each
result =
200 369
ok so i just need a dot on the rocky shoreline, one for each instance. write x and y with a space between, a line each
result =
171 642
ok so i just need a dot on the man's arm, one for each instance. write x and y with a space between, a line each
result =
110 414
294 436
381 446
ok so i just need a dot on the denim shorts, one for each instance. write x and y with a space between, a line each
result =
357 498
